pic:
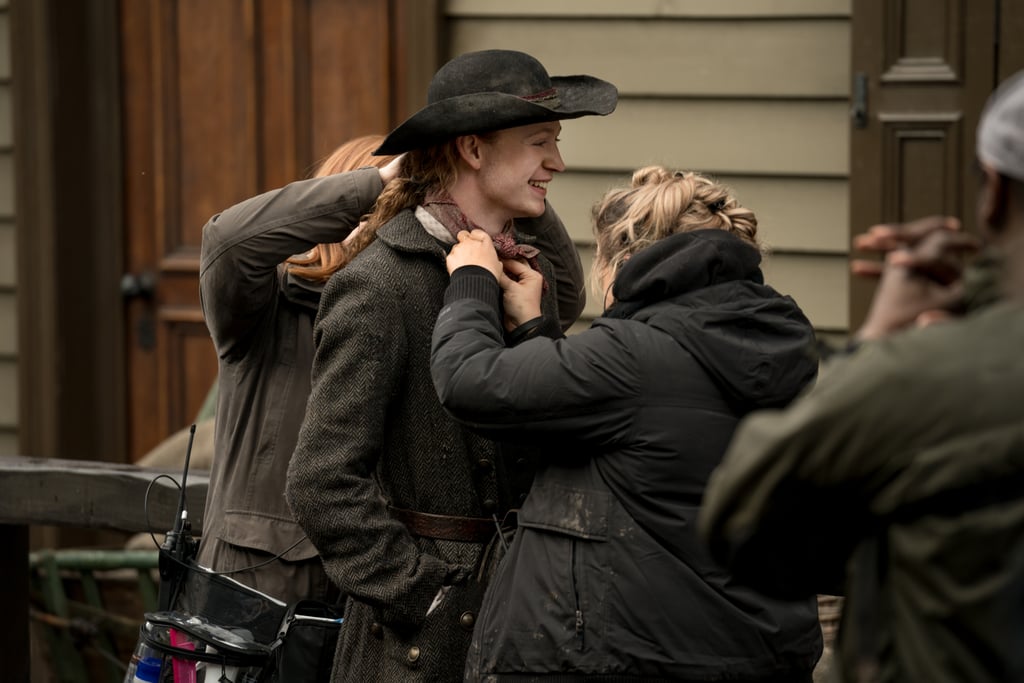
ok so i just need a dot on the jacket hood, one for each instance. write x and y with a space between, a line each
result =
706 290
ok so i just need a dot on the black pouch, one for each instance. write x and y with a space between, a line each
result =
223 600
306 640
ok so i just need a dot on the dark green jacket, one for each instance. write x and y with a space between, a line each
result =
897 480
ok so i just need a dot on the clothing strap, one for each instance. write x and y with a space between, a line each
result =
452 527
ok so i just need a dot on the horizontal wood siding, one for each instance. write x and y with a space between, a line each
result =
754 92
788 225
8 273
673 57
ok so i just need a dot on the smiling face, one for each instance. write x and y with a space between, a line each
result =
516 165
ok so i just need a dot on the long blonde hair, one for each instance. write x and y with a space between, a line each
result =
659 203
323 260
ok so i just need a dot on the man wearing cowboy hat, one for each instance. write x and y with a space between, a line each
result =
409 511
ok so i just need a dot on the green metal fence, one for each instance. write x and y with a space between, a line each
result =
69 595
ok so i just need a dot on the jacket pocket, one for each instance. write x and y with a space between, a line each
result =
582 513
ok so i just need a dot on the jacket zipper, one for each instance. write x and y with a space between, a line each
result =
576 595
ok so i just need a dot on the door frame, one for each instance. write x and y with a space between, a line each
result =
68 197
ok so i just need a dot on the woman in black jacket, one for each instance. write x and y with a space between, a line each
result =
606 577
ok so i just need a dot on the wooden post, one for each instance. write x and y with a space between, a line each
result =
14 638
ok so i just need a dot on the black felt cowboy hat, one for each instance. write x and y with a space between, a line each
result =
489 90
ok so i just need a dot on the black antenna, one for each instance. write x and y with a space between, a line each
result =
180 521
179 547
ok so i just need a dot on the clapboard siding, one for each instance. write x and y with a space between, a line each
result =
787 273
769 9
754 92
819 283
734 136
794 214
665 57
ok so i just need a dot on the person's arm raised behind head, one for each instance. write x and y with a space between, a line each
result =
554 242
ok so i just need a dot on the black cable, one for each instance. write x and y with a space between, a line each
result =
156 543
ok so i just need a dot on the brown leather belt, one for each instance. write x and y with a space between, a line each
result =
450 527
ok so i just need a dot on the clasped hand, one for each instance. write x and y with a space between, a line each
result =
920 279
521 285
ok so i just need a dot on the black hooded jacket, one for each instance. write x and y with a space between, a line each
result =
606 576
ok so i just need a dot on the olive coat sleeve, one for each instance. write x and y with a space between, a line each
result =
799 488
243 246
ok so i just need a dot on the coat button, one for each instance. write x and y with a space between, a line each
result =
522 463
485 465
377 630
466 620
490 506
414 655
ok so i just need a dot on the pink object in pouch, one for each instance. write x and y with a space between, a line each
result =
184 671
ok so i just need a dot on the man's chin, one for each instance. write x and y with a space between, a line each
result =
532 213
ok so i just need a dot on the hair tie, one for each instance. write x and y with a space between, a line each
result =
716 206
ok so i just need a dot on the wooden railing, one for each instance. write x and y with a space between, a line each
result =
94 495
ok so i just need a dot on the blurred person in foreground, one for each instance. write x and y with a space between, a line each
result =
606 579
899 479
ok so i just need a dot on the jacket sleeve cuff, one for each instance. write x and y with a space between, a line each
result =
541 326
369 186
474 282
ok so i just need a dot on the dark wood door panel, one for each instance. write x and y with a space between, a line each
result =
923 42
921 71
223 100
921 162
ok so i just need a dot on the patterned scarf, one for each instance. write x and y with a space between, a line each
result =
441 206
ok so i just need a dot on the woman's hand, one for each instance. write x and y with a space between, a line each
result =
474 249
390 171
521 288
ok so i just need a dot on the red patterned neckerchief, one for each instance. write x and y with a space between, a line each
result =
441 206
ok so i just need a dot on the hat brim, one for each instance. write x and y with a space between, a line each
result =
488 111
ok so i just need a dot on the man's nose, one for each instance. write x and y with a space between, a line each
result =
554 161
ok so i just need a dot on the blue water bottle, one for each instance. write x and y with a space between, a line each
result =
147 670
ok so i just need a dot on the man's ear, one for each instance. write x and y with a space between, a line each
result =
469 150
992 200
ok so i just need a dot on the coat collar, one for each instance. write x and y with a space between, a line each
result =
405 233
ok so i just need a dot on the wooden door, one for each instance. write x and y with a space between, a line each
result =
921 73
223 100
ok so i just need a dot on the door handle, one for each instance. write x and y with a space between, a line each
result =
859 103
138 285
142 286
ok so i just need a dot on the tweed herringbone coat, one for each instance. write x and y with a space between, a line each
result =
376 435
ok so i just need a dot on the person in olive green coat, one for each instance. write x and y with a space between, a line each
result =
403 504
898 479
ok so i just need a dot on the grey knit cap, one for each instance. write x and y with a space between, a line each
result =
1001 129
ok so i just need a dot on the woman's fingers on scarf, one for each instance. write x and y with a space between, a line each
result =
516 267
